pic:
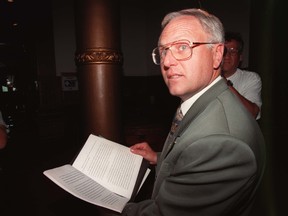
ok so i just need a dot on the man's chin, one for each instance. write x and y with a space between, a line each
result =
175 93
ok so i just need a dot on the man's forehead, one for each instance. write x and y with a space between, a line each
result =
231 43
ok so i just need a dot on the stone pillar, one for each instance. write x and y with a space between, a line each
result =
99 67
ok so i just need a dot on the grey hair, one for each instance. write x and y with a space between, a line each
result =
210 23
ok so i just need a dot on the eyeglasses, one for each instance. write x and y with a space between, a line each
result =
231 51
181 50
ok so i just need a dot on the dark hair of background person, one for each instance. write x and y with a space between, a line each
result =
229 36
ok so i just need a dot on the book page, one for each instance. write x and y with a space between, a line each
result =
110 164
83 187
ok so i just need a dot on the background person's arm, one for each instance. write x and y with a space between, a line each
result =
251 107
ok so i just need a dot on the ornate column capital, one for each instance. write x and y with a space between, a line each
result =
98 56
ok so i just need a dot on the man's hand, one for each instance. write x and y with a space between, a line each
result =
145 151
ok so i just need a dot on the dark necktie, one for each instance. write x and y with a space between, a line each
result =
176 121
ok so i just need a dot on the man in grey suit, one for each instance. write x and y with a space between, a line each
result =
213 163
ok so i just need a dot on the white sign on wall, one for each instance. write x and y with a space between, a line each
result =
69 83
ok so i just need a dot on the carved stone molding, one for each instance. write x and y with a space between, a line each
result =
98 56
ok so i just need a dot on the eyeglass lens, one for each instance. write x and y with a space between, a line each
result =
179 50
231 51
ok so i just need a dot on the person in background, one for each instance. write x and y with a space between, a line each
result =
3 132
245 84
213 161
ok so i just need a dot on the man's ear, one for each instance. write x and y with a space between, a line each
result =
218 56
240 60
241 57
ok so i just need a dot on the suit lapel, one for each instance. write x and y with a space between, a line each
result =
200 104
192 113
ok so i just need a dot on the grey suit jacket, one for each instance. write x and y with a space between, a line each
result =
213 164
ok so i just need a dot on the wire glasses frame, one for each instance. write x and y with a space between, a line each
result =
181 50
231 51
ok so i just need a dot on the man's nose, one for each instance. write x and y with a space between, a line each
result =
169 58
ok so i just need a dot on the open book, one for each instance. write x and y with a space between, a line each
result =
104 173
